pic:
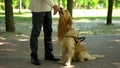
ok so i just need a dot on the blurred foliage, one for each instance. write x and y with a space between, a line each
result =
117 3
2 5
88 4
25 3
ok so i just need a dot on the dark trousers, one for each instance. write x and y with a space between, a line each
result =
40 19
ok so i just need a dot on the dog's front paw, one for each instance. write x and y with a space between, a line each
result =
68 64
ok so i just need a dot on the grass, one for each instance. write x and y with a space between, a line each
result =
83 25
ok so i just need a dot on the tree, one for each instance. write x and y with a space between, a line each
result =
70 6
9 23
20 6
109 14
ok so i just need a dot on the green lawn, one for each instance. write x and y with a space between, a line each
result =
84 25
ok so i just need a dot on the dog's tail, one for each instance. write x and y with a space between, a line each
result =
92 57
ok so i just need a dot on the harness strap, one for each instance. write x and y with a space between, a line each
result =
77 38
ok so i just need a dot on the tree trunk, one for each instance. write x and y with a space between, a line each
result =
9 16
20 6
70 6
109 15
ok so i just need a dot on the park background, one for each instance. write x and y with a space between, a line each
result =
90 17
97 20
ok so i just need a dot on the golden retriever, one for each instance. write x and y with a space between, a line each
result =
71 46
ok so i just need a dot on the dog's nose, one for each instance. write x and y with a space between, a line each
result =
60 8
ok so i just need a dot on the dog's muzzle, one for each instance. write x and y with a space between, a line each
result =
61 10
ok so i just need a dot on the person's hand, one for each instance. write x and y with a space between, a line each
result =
56 9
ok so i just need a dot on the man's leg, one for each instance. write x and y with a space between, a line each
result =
37 20
47 26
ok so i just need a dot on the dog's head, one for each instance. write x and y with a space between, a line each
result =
65 14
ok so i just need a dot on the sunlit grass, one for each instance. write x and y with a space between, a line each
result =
94 25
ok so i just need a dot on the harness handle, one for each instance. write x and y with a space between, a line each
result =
79 38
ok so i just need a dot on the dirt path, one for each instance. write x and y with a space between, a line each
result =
14 53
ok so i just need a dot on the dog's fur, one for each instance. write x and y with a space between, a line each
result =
71 50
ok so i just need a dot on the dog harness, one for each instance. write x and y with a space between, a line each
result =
77 38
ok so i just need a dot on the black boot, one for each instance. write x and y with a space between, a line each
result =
34 59
52 59
50 56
